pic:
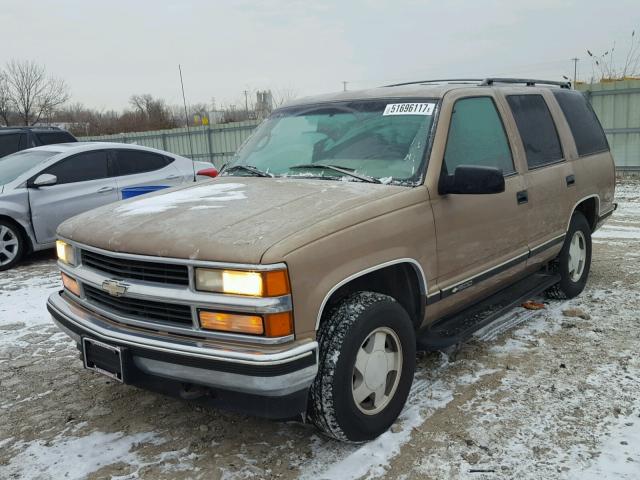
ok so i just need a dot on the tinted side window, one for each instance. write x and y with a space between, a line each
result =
81 168
11 143
129 162
50 138
537 130
477 136
585 127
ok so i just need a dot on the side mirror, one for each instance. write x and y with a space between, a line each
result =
44 180
209 172
472 180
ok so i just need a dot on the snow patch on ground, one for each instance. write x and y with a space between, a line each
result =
371 459
74 458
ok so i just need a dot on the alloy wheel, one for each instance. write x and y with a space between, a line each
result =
577 256
9 245
377 371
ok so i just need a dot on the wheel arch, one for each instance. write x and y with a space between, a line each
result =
402 279
590 207
22 231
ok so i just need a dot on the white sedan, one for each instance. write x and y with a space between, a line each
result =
43 186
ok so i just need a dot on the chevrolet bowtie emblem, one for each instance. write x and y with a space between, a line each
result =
114 288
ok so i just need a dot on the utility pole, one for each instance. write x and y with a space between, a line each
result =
575 70
344 85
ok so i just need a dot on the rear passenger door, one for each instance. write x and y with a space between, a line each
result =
481 239
549 179
137 168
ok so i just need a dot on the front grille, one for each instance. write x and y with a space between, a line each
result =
143 309
137 270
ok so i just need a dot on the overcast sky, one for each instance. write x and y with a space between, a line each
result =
107 51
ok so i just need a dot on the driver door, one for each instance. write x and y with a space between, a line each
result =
481 238
84 183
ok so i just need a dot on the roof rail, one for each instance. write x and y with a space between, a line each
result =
22 127
445 80
529 82
487 82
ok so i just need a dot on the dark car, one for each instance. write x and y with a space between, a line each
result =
14 139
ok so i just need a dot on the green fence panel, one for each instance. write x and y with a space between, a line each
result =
213 143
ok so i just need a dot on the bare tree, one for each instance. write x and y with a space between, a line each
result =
283 95
150 113
5 99
33 93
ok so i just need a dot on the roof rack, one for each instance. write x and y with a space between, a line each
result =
22 127
445 80
529 82
488 82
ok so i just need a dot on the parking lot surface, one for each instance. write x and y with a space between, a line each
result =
553 393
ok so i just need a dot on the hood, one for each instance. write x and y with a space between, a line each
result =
231 219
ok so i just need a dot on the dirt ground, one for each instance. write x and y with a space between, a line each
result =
540 395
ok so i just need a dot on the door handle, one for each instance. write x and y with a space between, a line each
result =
571 180
105 190
522 196
171 177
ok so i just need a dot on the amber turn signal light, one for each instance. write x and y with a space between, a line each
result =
271 325
231 322
70 284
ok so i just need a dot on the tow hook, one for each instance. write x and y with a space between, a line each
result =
192 392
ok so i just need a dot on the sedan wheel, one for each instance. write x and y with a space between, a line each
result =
10 245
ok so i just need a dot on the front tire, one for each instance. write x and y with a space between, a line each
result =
366 367
12 245
574 261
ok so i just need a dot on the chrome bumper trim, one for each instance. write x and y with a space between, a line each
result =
104 329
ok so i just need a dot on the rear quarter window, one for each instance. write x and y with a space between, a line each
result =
11 143
583 122
50 138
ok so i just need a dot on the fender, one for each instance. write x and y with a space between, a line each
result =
422 280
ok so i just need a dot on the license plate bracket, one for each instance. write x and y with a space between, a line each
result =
103 358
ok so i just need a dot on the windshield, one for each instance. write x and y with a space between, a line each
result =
384 140
12 166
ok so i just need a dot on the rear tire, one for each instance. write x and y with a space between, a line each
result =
12 245
574 260
366 367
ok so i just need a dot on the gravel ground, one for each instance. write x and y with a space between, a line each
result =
547 394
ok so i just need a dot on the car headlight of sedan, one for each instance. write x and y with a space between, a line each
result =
272 283
66 253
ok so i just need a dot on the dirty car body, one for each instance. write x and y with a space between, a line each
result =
255 290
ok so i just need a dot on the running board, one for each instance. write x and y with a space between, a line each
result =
461 326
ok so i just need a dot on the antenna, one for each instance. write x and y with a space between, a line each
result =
186 118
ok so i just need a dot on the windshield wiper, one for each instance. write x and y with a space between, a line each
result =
344 171
248 168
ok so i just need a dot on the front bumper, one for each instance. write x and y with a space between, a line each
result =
277 372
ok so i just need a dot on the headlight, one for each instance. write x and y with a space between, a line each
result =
66 253
256 284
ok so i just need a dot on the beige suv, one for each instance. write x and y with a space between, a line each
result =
350 230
